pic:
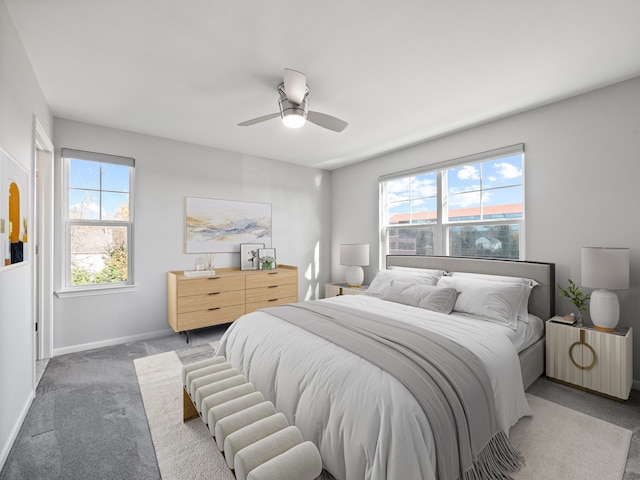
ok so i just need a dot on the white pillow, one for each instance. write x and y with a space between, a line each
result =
383 278
497 302
494 278
523 313
429 297
430 271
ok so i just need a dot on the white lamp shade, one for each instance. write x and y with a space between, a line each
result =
605 268
354 254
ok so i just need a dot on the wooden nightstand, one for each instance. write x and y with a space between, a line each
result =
596 361
333 289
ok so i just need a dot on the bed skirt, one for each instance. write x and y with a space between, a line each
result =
532 362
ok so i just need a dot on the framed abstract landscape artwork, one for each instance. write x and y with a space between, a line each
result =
222 225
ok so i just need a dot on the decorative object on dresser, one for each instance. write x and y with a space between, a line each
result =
249 255
593 360
201 264
213 225
267 258
337 289
226 295
355 256
605 269
203 267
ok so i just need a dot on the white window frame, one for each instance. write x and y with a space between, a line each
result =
69 290
441 228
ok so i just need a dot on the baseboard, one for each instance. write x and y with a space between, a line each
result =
6 449
112 341
635 385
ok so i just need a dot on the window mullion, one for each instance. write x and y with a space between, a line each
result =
481 194
439 234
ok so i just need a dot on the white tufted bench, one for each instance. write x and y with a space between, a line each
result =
258 443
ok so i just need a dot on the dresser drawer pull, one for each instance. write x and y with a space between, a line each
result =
213 278
214 308
273 300
214 293
273 273
272 286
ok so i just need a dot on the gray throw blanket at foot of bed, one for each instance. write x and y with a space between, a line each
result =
449 382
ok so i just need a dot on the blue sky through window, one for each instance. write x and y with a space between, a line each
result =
97 191
495 182
490 183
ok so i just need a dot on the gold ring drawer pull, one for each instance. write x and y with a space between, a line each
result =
582 342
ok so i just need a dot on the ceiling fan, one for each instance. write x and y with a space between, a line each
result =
294 106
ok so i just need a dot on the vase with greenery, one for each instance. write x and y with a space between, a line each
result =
266 263
575 296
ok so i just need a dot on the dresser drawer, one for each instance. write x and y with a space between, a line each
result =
211 300
201 286
187 321
274 302
271 293
271 278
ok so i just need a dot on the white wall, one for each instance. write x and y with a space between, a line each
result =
166 172
582 168
20 99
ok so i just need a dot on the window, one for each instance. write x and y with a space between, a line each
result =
469 207
98 219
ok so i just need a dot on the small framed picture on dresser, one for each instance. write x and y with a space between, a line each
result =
249 255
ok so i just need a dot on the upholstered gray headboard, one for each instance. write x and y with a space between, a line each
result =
542 300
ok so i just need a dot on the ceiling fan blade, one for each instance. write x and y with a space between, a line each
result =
327 121
295 85
259 119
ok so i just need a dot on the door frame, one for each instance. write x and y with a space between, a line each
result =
43 211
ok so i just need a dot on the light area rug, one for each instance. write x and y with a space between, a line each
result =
556 442
184 450
561 443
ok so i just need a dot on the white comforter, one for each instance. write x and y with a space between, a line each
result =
364 422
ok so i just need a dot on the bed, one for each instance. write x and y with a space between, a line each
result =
366 422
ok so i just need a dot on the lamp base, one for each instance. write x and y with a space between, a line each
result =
354 276
603 329
604 308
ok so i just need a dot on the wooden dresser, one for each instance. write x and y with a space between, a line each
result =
196 302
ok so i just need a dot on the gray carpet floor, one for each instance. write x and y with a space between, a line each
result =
87 421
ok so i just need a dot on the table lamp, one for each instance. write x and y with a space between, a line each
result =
605 269
355 256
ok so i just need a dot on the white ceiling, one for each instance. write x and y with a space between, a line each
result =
399 72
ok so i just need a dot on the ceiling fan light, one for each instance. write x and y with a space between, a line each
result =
293 115
293 119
